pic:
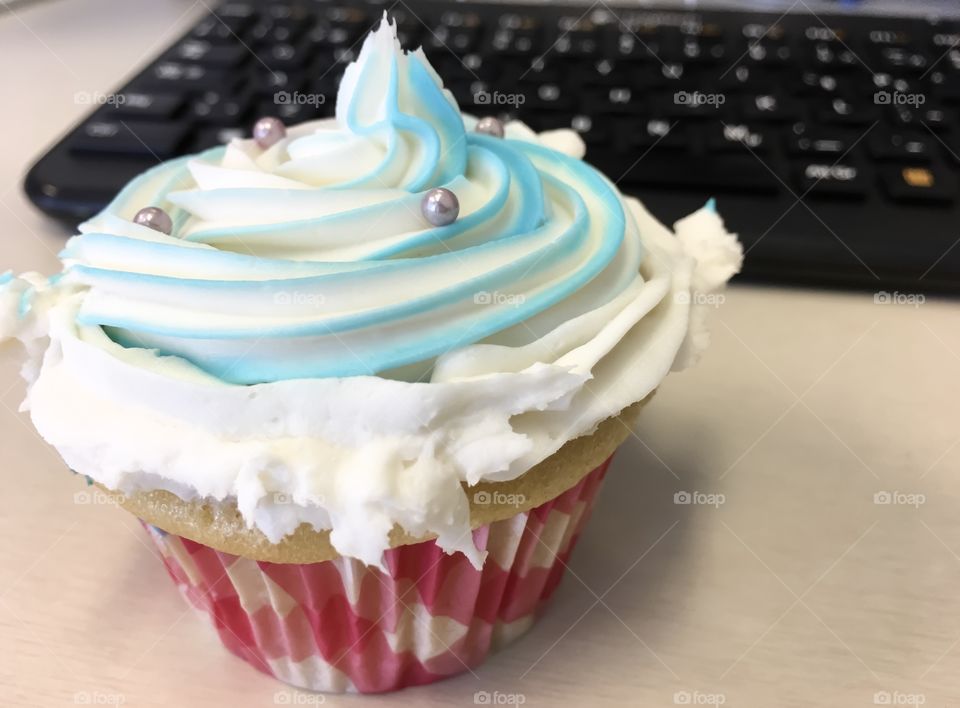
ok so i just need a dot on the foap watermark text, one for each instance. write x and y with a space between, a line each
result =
485 498
696 498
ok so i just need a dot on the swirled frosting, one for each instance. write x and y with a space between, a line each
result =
305 344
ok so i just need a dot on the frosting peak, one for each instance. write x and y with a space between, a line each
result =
396 99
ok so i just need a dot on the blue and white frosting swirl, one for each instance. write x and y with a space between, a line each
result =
304 331
312 259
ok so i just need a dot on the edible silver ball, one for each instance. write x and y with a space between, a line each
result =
154 218
440 206
267 132
490 126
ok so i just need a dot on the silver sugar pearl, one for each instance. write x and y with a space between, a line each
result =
440 206
154 218
268 131
490 126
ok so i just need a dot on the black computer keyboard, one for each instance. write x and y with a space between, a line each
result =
830 142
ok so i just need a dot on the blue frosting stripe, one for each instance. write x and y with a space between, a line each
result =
449 126
511 165
305 226
501 277
441 139
538 226
26 299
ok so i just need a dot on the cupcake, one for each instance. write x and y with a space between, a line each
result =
361 378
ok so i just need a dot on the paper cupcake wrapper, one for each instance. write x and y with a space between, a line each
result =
341 626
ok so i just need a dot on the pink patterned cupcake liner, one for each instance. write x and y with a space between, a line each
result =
339 625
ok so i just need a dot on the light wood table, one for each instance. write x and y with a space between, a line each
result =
798 590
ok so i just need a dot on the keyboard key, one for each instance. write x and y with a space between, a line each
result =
655 133
333 62
715 173
901 146
461 19
821 84
284 56
145 105
894 58
673 72
885 82
946 86
945 40
770 107
635 47
473 67
754 79
950 144
267 82
553 97
690 43
918 184
817 141
578 37
754 31
348 16
159 140
326 35
696 50
507 20
767 53
222 27
577 47
593 131
459 40
516 42
894 37
230 11
177 76
704 31
825 179
938 120
823 33
823 56
216 108
842 111
275 31
737 137
225 56
607 72
286 11
622 100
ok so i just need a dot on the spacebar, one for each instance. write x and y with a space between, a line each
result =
719 173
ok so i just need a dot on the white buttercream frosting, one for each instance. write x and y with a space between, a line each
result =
133 397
